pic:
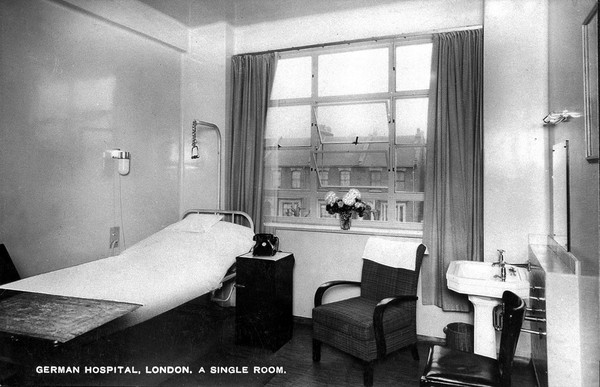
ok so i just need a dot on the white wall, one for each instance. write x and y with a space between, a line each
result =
72 86
204 94
516 183
393 18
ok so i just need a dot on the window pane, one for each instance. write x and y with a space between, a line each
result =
409 211
286 161
413 67
356 72
323 210
288 126
292 78
378 209
352 167
410 169
411 120
293 207
343 123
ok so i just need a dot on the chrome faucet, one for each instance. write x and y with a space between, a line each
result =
502 265
500 261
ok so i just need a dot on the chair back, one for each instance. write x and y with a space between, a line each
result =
513 315
380 281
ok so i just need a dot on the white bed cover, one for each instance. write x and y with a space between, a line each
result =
160 272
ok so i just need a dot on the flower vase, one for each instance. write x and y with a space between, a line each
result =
345 220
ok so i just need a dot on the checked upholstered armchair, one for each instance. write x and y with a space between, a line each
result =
382 319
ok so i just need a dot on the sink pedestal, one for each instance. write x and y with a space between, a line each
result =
485 334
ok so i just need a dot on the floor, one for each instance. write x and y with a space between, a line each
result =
194 346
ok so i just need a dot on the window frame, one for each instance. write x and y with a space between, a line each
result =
314 188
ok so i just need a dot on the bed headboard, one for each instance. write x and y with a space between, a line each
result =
239 217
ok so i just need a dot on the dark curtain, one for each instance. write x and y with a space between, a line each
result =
453 213
252 79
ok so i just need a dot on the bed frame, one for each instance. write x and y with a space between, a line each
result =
238 217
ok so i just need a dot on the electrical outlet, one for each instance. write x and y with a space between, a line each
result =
114 237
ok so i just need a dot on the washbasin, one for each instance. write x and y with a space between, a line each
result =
482 283
482 279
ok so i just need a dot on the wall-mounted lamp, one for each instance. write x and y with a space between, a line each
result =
123 158
554 118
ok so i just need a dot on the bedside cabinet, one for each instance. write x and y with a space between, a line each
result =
264 300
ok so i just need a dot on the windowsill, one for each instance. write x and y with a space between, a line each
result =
359 226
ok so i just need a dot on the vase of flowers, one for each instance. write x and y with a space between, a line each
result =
349 205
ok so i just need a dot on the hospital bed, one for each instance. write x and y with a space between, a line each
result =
181 262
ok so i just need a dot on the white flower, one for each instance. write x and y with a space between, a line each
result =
350 198
354 192
331 198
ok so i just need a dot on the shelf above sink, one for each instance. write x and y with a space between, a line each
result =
482 279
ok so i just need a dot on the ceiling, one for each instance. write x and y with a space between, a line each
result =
195 13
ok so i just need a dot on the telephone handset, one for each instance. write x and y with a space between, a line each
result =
266 245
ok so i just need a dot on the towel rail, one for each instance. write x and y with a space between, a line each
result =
532 332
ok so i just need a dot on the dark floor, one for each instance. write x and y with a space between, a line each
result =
199 335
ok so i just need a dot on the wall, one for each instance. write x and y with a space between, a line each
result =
393 18
204 94
516 182
72 86
566 92
326 256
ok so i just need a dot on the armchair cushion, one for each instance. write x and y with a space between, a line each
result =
354 317
444 364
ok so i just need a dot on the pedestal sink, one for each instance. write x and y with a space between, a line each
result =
482 283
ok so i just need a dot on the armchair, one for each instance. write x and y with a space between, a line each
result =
382 319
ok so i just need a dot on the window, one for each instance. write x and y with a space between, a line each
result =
350 116
296 178
345 177
277 178
324 177
375 177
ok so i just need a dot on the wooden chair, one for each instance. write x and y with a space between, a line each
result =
449 367
379 321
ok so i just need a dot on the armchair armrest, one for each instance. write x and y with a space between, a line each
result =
323 288
378 320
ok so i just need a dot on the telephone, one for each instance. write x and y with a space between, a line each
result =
266 245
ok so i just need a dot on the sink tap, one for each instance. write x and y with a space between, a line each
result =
502 265
500 261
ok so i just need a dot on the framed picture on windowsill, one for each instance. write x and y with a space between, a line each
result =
590 82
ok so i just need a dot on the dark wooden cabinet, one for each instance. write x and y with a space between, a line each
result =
264 300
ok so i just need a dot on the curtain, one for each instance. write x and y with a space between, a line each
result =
252 79
453 213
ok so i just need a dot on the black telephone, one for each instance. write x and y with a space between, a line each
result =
266 245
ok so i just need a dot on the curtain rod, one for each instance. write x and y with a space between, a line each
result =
363 40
